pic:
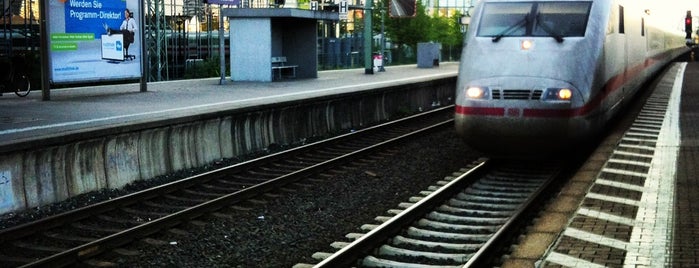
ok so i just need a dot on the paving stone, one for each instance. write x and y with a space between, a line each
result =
534 245
551 223
564 204
685 249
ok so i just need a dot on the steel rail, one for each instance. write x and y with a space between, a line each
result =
117 239
365 244
361 247
504 236
16 232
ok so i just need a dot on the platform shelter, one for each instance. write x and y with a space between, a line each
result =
268 44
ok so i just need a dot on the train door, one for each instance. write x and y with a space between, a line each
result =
625 40
616 49
636 50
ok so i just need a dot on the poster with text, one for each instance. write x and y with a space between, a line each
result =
94 40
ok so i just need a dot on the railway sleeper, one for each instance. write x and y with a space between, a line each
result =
438 216
72 238
415 232
371 261
487 199
482 205
405 241
474 212
388 251
460 228
497 194
39 248
382 219
503 188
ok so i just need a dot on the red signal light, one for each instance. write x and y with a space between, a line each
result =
688 26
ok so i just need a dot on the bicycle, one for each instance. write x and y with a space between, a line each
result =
16 79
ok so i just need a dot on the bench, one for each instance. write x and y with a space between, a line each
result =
279 68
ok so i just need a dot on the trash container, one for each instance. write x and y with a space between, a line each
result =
378 60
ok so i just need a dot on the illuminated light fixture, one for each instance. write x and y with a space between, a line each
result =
526 44
475 92
465 20
565 94
558 94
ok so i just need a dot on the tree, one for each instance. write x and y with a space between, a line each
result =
405 33
446 30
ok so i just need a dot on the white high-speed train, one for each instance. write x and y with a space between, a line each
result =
541 76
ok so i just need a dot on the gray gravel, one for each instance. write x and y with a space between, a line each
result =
288 228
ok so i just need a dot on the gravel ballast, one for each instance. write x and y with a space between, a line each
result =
288 228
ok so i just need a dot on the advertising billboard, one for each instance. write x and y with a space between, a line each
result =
223 2
94 40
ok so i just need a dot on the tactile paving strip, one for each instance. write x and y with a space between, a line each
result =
685 251
625 219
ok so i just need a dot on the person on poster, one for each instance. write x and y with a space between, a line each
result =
128 29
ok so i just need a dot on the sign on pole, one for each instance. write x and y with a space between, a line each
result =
402 8
343 9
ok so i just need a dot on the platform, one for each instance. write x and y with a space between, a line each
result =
634 203
77 109
91 138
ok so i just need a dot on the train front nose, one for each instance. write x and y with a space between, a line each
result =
520 120
510 136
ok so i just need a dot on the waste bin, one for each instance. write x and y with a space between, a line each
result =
378 61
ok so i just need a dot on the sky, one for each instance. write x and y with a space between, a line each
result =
666 6
673 11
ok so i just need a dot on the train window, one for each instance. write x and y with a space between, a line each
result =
508 19
555 19
562 19
621 19
613 18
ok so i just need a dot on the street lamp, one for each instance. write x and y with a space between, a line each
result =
465 19
383 41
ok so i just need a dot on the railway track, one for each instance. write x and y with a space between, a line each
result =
465 221
78 235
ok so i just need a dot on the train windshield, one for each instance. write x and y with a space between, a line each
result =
554 19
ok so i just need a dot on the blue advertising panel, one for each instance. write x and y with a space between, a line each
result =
94 40
223 2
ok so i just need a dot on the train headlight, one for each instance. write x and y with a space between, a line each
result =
475 92
565 94
558 94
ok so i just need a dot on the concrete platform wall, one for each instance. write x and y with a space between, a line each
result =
51 173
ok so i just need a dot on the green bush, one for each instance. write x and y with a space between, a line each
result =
207 68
